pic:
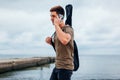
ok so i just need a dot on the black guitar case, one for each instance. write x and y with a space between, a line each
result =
69 22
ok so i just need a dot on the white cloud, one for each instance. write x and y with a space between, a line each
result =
20 20
25 37
24 28
4 37
97 28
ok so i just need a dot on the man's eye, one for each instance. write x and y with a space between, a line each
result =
52 16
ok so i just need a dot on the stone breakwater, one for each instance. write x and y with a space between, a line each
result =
21 63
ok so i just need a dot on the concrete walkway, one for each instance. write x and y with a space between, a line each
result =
21 63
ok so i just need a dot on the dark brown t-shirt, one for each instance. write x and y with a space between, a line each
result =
64 53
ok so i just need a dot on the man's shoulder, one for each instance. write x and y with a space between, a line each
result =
68 27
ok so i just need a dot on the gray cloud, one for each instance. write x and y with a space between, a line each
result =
24 24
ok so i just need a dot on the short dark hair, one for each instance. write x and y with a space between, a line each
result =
58 10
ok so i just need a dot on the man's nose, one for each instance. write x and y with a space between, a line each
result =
51 18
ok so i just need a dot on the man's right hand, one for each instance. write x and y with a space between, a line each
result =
48 40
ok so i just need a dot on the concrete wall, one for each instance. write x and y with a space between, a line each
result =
21 63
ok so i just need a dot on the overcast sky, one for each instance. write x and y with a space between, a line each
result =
24 25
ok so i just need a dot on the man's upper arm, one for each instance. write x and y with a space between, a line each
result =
69 33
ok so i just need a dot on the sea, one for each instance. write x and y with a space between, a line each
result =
92 67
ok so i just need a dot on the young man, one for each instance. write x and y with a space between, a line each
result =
64 47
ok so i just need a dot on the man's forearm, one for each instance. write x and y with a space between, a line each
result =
62 36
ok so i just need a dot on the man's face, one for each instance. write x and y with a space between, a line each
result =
53 16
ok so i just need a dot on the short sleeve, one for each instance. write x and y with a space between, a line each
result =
69 30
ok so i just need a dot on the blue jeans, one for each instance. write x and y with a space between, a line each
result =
61 74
